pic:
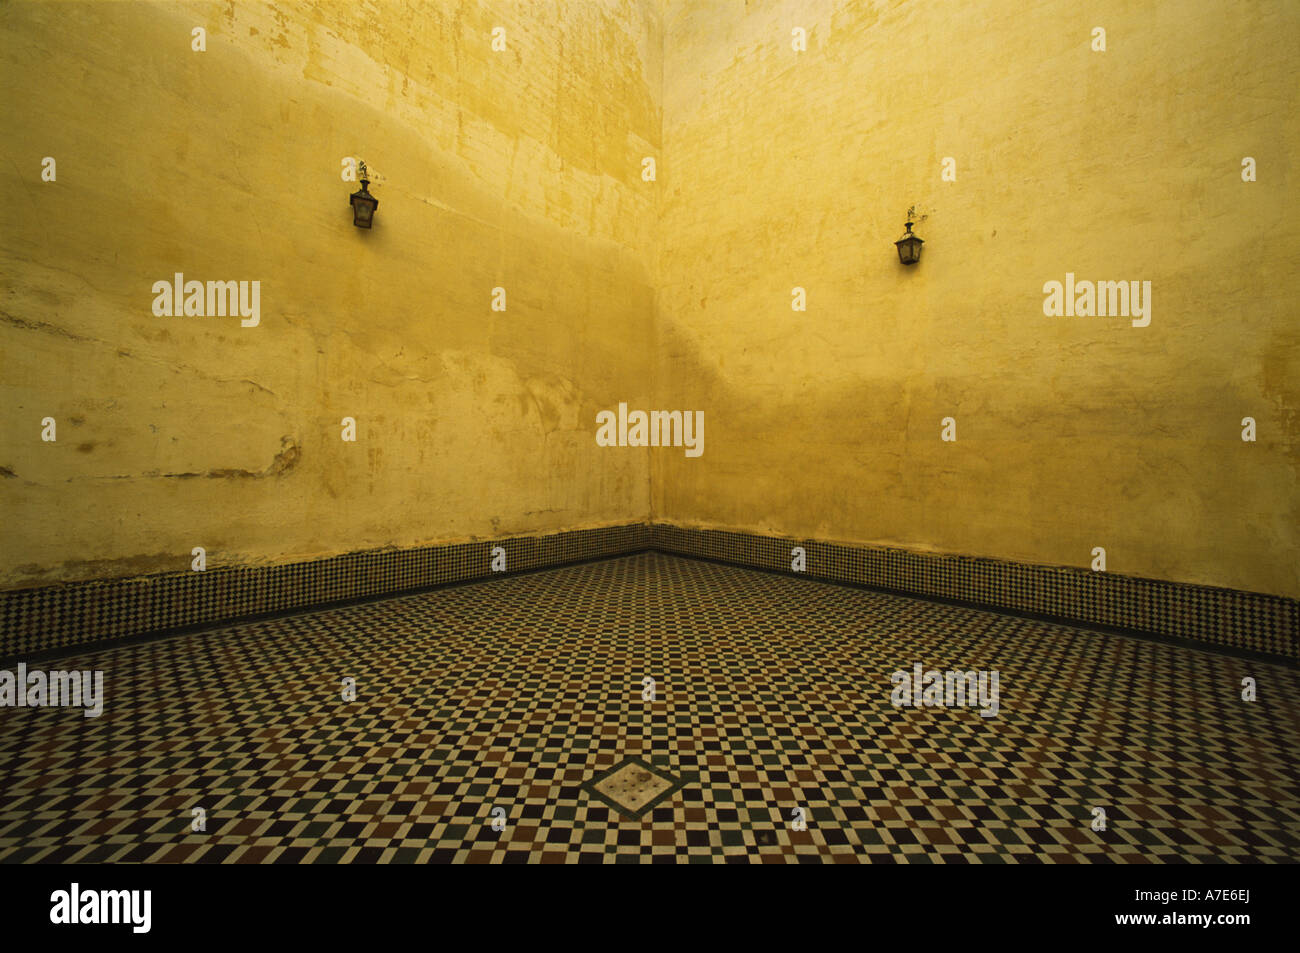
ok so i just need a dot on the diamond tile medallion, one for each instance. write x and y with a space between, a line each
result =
632 787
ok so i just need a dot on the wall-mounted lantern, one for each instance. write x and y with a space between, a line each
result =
363 203
909 246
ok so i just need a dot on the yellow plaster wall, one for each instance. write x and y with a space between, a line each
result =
787 169
776 169
518 169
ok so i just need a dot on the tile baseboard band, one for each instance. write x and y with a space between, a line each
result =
49 621
1250 623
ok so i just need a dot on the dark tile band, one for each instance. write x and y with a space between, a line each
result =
45 619
1227 618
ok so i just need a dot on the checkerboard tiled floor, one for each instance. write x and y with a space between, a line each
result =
771 693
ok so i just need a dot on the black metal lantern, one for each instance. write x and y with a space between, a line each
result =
363 203
909 247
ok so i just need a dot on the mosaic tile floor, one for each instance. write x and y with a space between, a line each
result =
770 694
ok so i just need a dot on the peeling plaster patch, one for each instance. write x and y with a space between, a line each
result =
284 461
41 326
8 318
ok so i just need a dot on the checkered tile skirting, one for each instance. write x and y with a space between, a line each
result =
58 617
508 698
1246 621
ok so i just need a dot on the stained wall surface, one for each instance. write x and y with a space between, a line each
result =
517 169
788 169
776 169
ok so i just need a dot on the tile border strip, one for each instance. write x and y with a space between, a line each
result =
53 620
1227 619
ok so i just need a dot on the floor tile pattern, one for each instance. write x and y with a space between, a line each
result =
771 694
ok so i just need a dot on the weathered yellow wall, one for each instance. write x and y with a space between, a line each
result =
776 170
518 169
788 169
